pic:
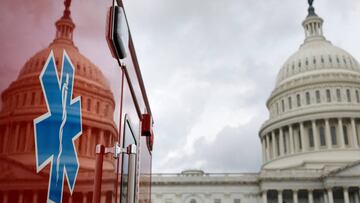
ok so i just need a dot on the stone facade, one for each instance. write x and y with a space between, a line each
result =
310 143
195 186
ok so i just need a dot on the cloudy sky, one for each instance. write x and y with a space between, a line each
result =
209 66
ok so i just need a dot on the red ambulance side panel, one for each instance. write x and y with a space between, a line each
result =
62 93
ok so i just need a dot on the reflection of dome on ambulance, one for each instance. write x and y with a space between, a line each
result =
23 101
24 98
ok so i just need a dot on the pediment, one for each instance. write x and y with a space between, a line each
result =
350 170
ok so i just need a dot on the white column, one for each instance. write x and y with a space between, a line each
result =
264 196
302 137
296 141
291 135
267 147
281 141
207 197
341 133
287 142
316 135
273 144
354 135
295 196
321 31
310 196
346 195
280 197
321 199
312 28
325 196
178 198
357 196
330 195
263 149
226 198
327 134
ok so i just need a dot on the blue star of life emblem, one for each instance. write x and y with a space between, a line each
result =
56 130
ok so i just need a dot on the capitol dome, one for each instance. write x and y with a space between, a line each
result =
315 57
315 106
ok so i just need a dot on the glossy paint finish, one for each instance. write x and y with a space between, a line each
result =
107 91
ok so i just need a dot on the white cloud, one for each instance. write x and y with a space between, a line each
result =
218 61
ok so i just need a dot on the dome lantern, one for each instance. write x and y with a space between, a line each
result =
315 54
313 25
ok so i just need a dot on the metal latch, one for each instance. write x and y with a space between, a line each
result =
116 150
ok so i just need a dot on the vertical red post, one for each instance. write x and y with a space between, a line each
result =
100 151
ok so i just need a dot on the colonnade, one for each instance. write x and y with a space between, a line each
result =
311 135
323 195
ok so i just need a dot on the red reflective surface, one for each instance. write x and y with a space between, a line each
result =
29 35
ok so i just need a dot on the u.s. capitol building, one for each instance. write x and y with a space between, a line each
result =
310 143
